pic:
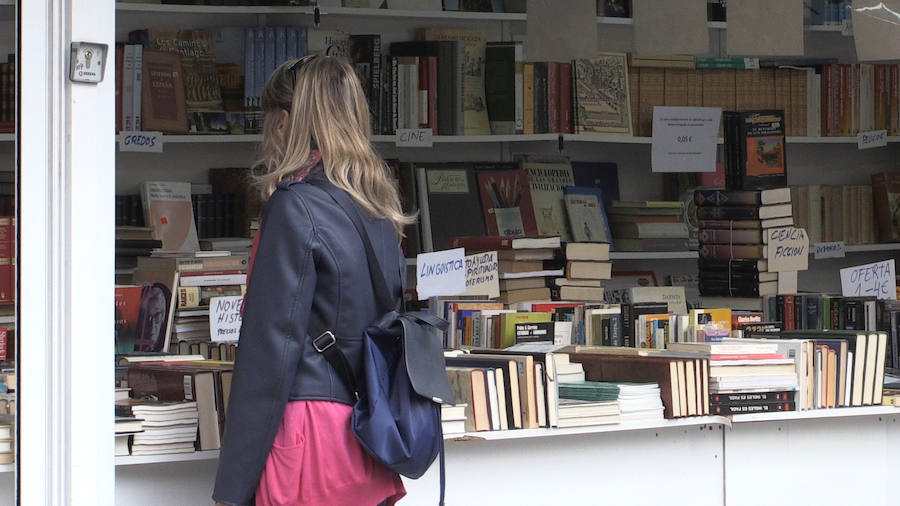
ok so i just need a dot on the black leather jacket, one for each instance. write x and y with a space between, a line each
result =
309 275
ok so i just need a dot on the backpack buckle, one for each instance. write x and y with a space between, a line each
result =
330 341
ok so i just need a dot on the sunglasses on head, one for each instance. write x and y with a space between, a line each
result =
295 68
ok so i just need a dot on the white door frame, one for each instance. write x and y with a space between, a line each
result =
66 258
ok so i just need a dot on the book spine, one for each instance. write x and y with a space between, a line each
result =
422 104
280 45
565 98
290 49
128 90
138 79
738 409
259 48
553 91
433 117
249 68
528 99
269 52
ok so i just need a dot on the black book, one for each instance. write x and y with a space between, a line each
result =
734 266
631 312
751 397
755 150
510 374
454 204
541 121
365 55
741 409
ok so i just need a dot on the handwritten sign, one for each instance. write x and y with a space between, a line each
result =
877 279
142 142
441 273
873 139
787 250
414 138
225 318
684 139
482 276
829 250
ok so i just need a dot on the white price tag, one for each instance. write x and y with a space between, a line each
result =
684 139
873 139
225 318
787 249
142 142
829 250
414 138
877 279
441 273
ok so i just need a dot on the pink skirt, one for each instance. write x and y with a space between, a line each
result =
315 459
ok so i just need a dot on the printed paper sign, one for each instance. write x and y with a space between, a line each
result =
447 181
414 138
684 139
441 273
873 139
829 250
787 249
482 276
142 142
870 280
225 318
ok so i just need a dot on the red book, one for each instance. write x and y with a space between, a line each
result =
551 307
738 320
128 306
746 356
423 87
506 203
565 98
4 349
7 228
788 312
553 97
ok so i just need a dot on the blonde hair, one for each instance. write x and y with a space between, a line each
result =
327 111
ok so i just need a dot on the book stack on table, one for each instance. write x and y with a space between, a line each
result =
649 226
734 228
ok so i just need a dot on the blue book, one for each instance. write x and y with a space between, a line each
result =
603 175
259 73
301 41
587 215
290 50
249 68
269 53
280 45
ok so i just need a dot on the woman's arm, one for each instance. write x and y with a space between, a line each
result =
276 315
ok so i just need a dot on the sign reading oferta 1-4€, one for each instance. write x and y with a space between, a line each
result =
787 249
870 280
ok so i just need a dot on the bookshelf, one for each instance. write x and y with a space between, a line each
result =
132 460
818 414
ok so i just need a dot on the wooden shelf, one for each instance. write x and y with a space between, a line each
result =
479 139
497 435
865 248
814 414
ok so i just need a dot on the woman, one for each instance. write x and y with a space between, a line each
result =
288 439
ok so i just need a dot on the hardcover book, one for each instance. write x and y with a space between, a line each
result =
202 93
601 95
755 150
163 102
546 183
167 210
506 203
587 216
886 195
128 304
449 192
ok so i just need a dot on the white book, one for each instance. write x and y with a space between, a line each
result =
491 380
214 280
138 78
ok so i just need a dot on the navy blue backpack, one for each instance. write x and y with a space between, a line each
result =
397 414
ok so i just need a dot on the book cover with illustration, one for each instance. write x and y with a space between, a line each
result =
601 95
506 203
546 182
587 218
128 304
755 150
167 210
203 95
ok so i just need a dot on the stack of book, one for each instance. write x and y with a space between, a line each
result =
733 237
133 242
648 226
640 402
168 427
190 282
738 367
585 403
7 439
453 419
587 265
125 427
525 264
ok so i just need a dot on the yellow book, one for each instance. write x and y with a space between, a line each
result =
720 318
508 323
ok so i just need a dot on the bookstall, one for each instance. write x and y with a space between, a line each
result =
822 123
